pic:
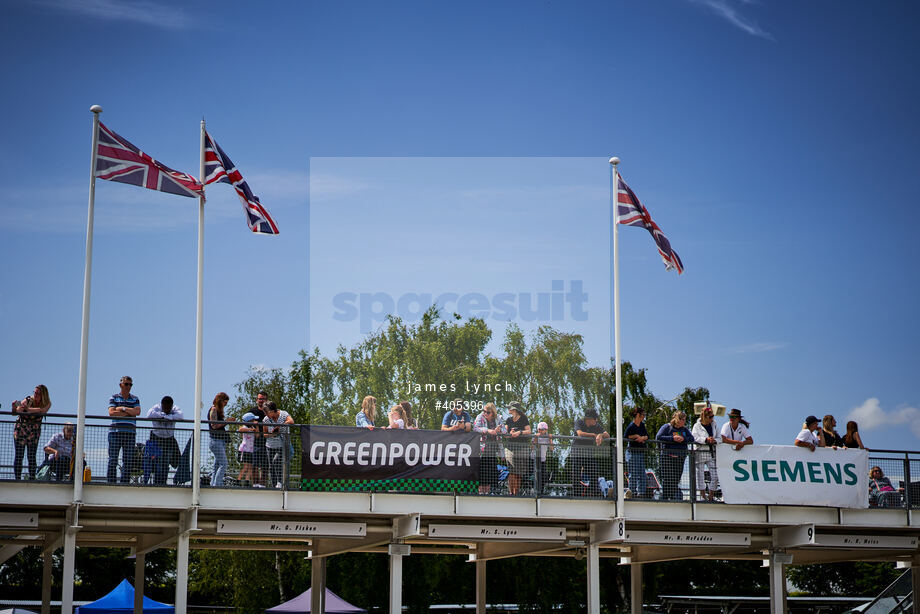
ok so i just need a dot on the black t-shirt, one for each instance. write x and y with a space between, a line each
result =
518 424
634 429
580 425
832 439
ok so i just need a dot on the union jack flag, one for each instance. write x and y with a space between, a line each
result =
218 167
119 160
630 212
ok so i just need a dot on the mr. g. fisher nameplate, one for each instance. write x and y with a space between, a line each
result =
273 527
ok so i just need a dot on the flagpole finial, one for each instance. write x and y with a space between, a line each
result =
96 109
614 161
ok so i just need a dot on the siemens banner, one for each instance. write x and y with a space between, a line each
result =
789 475
391 456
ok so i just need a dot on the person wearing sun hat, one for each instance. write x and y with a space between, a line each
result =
735 431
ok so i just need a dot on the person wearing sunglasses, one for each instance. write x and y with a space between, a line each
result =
123 408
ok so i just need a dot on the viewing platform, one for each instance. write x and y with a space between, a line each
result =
557 514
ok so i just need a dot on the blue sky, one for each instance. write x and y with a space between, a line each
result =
775 143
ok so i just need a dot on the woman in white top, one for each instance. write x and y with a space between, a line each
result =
735 431
705 435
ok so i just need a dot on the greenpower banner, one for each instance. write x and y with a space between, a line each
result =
789 475
359 459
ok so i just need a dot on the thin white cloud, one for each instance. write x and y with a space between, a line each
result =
142 11
122 208
870 415
728 10
756 348
278 185
329 185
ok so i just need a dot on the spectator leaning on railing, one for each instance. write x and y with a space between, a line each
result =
807 438
163 449
278 443
259 453
704 434
365 418
637 435
489 426
852 438
123 408
832 438
735 431
587 450
519 431
457 418
673 437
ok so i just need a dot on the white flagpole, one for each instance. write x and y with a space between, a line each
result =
84 335
621 494
196 443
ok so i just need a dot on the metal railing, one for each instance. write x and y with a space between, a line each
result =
143 453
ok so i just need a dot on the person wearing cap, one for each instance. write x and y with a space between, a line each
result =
807 437
248 429
587 450
637 435
704 434
457 419
164 415
519 445
124 407
735 431
544 444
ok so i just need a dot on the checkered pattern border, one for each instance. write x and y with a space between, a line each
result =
396 484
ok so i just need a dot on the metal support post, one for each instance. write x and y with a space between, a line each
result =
480 587
915 584
318 585
182 547
778 560
396 583
635 588
139 564
70 551
47 557
594 586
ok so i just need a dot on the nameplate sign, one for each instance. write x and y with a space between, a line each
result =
318 529
683 538
878 542
12 519
489 532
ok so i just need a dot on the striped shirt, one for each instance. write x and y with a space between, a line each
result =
122 423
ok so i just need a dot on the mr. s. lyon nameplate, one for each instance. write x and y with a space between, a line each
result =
489 532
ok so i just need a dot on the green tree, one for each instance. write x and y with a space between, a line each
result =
852 579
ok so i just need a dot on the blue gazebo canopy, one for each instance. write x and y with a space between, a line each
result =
121 601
